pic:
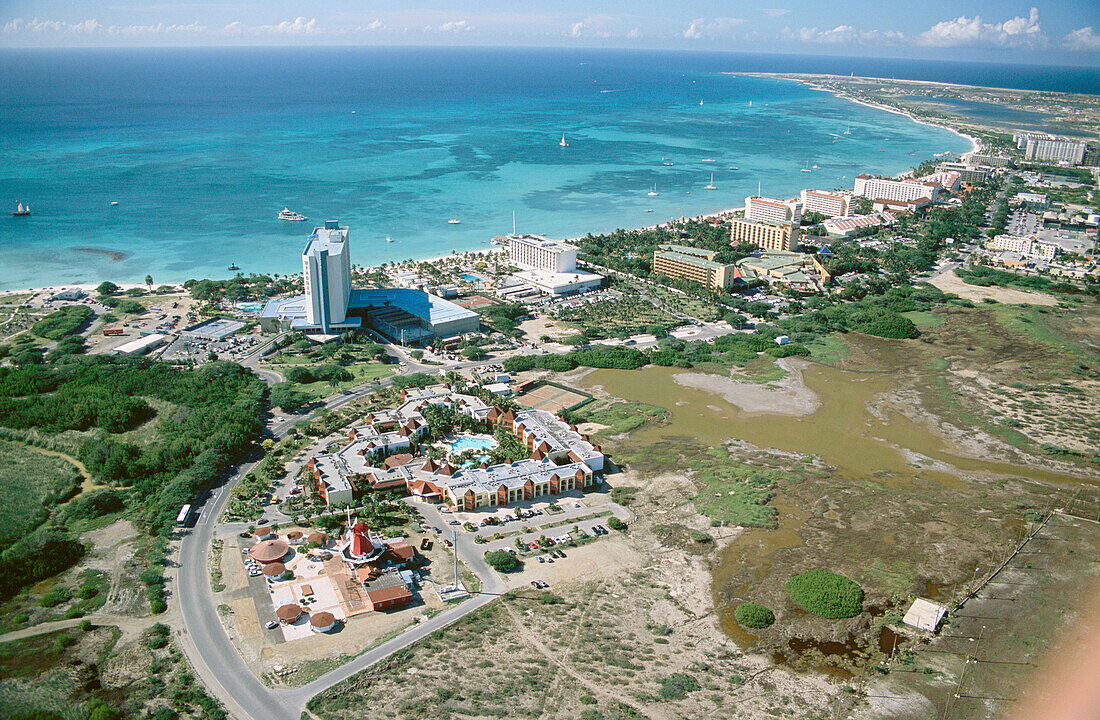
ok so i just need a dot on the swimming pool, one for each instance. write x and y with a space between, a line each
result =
250 307
470 278
471 443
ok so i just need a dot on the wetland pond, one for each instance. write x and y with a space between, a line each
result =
863 441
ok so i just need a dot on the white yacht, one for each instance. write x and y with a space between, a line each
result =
712 186
114 202
453 221
653 192
389 239
288 214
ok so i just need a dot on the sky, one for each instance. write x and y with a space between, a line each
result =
1058 32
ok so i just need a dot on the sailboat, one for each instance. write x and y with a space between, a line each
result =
389 239
700 102
849 130
653 192
750 103
21 211
807 168
712 186
563 143
453 221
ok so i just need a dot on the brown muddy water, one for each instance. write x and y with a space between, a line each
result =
848 431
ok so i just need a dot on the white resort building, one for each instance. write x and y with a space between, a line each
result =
549 266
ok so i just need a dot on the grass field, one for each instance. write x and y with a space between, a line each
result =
923 318
622 417
616 318
29 482
829 350
361 373
687 304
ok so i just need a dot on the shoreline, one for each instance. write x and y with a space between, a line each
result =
802 79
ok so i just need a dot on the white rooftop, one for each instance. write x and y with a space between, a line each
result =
924 615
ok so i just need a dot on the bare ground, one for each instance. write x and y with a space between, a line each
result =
788 396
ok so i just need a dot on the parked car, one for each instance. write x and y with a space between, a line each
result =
271 624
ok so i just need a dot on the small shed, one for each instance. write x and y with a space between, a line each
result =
322 621
275 570
288 614
924 615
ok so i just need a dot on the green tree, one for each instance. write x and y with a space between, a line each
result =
502 560
106 288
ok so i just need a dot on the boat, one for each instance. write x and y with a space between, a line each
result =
389 239
849 130
653 192
114 202
712 186
563 143
453 221
667 164
807 168
700 102
733 167
708 160
649 209
288 214
233 266
750 103
21 211
816 167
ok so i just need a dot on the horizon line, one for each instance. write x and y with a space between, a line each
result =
459 46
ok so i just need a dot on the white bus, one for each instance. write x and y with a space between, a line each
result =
185 513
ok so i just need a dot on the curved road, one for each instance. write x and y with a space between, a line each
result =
206 643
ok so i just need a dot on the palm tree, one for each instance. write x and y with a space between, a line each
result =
149 282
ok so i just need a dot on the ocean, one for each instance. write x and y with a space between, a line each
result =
200 149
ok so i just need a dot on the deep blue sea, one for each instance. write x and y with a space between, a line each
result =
201 148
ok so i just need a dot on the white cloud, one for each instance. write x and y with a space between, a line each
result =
701 27
634 34
775 12
1015 32
842 35
298 26
601 26
1082 39
455 26
158 29
19 25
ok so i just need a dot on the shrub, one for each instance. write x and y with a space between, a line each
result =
677 685
502 560
826 594
62 322
615 523
752 615
63 641
55 596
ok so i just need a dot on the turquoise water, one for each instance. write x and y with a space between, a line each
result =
470 278
250 307
202 149
471 443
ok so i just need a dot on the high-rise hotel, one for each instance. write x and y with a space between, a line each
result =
326 268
